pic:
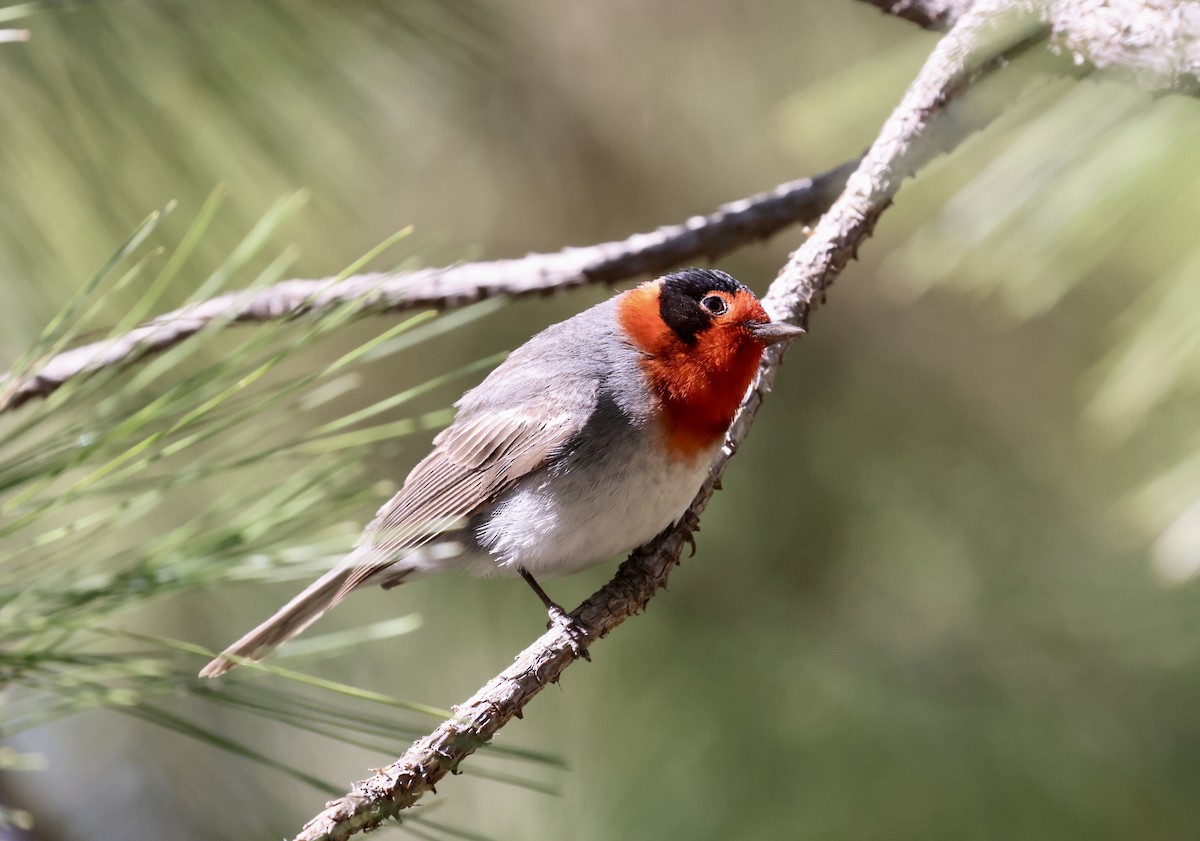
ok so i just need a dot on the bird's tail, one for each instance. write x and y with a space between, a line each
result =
293 617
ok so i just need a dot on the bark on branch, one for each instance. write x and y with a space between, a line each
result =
730 227
1156 42
904 144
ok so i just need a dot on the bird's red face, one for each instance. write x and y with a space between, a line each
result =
703 335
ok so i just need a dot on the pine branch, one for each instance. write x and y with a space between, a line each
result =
730 227
904 144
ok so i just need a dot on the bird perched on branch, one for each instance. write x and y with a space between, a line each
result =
589 440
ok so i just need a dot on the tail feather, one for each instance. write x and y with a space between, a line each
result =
289 620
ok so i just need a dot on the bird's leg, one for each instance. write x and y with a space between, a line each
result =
559 617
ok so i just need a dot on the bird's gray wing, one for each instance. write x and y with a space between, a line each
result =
473 460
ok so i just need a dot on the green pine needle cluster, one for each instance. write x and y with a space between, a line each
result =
93 480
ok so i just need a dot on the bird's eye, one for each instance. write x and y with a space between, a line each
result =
715 304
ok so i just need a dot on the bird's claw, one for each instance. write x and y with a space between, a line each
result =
576 635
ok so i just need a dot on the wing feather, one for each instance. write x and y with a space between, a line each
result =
473 460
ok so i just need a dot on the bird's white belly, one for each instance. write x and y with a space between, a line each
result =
559 524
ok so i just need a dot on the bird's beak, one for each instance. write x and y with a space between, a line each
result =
770 332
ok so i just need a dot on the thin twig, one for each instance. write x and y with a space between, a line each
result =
732 226
904 144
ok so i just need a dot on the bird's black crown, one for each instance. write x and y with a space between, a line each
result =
680 297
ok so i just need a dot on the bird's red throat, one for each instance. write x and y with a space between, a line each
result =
700 385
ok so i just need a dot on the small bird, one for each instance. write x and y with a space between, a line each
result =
585 443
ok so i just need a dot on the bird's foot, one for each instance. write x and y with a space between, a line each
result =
576 635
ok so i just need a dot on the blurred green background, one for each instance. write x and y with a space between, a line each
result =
949 589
